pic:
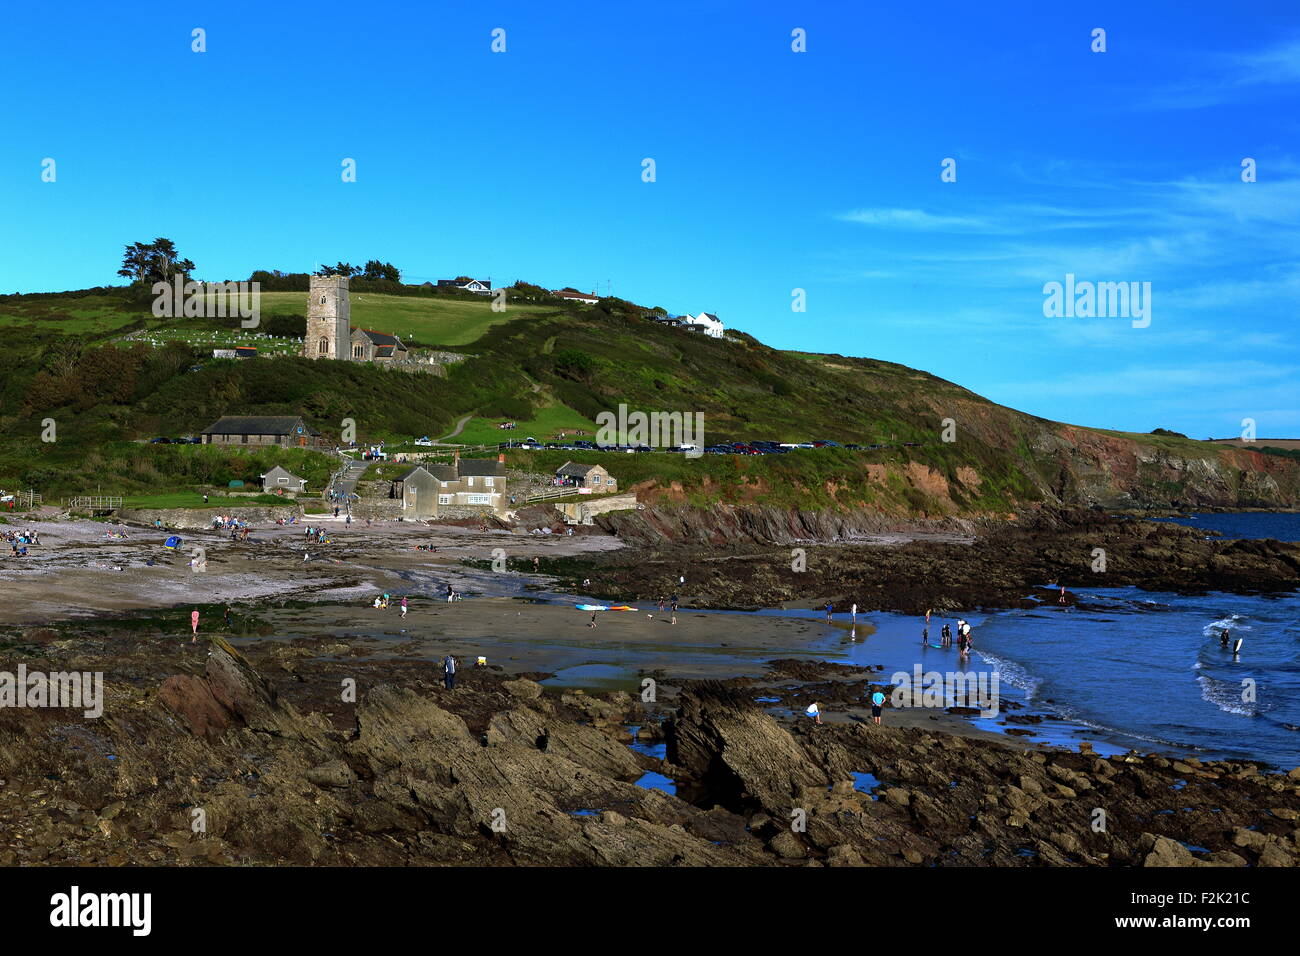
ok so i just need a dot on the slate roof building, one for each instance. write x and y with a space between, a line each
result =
288 430
427 490
282 479
594 477
371 346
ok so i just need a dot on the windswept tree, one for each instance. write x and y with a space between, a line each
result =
340 269
145 263
382 270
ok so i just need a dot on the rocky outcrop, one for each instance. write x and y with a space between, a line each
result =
740 757
222 767
1000 569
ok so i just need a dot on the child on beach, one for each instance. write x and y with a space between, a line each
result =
877 701
814 712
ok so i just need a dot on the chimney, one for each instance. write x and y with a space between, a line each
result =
501 457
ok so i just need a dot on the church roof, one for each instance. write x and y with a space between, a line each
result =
382 338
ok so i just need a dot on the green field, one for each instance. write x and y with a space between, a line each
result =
545 424
90 314
427 320
431 320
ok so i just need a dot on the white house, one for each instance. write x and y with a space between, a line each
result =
466 284
573 295
705 322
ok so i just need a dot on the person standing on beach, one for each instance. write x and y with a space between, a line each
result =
814 712
403 605
829 607
1061 599
877 701
927 617
225 619
674 610
593 619
194 625
854 614
449 672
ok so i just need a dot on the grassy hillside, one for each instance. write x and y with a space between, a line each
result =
431 320
557 368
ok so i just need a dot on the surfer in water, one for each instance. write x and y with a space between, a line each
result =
1223 638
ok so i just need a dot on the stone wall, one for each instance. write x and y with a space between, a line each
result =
193 519
582 512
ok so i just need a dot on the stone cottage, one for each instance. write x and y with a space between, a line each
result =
594 477
466 487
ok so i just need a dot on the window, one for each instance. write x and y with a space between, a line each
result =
356 351
488 481
324 347
283 481
479 499
444 499
322 300
595 479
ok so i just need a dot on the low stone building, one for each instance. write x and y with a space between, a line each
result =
371 346
467 485
594 477
289 430
280 479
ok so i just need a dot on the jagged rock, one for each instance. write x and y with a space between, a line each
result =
335 773
1165 852
739 754
1275 854
843 855
787 846
525 689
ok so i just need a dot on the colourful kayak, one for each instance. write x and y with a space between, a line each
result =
605 607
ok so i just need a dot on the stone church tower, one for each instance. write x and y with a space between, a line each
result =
329 319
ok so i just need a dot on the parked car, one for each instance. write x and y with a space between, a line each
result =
424 441
161 441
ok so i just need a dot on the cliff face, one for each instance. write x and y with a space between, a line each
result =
1067 468
1101 470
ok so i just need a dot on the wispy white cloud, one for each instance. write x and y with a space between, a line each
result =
913 219
1224 78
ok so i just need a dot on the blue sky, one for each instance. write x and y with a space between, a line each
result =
775 171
